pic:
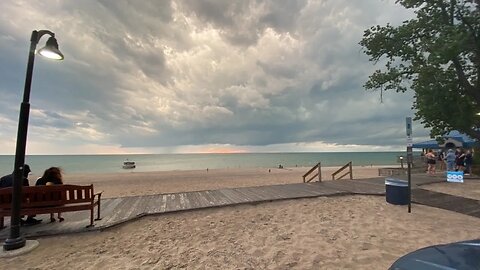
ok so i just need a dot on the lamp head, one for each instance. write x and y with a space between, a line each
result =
51 50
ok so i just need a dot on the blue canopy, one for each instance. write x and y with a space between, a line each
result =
452 140
432 144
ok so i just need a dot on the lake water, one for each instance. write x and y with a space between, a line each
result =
167 162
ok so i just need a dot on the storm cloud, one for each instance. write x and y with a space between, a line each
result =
182 76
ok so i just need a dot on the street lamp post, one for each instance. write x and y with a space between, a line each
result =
15 240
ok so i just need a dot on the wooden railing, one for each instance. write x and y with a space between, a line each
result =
318 174
349 165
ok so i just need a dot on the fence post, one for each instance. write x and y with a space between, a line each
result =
351 173
319 171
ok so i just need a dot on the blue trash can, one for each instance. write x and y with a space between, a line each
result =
396 191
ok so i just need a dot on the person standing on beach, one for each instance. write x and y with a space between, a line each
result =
460 166
51 176
468 162
431 161
441 161
450 159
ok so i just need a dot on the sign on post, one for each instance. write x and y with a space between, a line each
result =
409 131
408 122
455 177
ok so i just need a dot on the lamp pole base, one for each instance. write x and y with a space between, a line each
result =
14 243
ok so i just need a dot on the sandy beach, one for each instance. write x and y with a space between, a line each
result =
349 232
132 183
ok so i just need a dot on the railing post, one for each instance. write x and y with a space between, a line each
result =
319 171
351 173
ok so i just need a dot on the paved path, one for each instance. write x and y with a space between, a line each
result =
449 202
115 211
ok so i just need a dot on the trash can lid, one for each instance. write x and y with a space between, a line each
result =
396 182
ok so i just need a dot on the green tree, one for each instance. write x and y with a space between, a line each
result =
437 55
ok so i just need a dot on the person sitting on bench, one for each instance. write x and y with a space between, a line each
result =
7 181
51 176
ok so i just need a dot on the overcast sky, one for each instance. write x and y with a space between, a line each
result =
199 76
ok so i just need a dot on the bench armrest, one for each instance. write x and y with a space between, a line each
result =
99 194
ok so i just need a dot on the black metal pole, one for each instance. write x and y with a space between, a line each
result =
409 175
15 240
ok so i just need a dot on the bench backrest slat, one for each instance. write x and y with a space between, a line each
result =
38 196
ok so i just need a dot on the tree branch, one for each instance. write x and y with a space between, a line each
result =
464 81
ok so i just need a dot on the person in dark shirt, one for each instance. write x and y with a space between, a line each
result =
51 176
468 162
460 160
7 181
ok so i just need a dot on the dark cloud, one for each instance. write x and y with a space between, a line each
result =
243 22
194 72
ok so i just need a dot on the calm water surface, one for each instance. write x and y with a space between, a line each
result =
167 162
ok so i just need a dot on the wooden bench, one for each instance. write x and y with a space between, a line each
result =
51 199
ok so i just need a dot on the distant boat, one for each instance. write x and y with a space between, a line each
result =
127 164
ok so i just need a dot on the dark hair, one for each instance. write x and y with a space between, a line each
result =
26 170
53 174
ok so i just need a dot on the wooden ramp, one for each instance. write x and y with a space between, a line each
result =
115 211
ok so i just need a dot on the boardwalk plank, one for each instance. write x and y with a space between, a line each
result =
131 210
163 204
184 201
142 206
311 189
111 204
281 192
200 200
118 214
193 200
152 204
218 197
234 196
249 195
445 201
207 197
210 198
224 198
173 202
324 190
266 193
474 213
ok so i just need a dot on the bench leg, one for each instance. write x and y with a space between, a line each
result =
98 212
91 218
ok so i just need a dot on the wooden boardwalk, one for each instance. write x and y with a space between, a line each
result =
449 202
115 211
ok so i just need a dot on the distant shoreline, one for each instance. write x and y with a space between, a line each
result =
169 162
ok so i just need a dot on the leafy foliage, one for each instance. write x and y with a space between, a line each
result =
437 55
